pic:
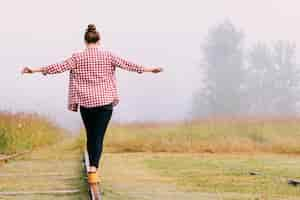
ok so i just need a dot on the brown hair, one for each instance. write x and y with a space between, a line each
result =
91 34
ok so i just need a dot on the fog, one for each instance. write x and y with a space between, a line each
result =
153 33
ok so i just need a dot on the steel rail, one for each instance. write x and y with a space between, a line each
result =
93 189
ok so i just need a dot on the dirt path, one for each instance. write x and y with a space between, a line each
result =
55 169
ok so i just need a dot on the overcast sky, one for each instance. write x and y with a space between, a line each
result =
165 33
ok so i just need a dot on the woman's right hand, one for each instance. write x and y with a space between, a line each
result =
26 70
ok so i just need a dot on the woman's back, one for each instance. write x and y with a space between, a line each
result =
92 78
94 65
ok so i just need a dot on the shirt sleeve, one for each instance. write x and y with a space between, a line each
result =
67 64
125 64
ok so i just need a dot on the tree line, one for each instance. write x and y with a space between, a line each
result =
262 79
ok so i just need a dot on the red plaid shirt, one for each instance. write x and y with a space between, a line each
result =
92 80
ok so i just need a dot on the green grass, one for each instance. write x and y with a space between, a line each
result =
230 173
21 131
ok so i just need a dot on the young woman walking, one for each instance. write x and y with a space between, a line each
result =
92 89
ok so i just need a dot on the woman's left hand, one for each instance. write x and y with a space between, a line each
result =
156 70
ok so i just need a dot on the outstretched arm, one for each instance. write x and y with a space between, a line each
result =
67 64
129 66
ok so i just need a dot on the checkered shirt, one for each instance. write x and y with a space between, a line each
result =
92 80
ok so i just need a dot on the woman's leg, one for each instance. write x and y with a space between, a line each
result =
88 121
102 121
95 121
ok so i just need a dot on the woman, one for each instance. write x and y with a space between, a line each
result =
92 89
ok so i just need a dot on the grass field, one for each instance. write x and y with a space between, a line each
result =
208 159
21 131
175 176
231 173
212 136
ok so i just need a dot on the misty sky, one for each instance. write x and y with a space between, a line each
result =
165 33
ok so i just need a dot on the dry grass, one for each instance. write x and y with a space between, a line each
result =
276 135
21 131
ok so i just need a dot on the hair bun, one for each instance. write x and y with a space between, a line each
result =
91 28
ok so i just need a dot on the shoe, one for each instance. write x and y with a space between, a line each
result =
93 178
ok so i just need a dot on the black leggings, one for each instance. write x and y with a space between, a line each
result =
95 121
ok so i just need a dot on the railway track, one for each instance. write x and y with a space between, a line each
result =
6 158
50 173
93 190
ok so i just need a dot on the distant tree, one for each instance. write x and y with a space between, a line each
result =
260 79
287 77
224 73
273 79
